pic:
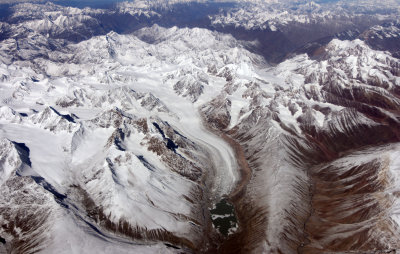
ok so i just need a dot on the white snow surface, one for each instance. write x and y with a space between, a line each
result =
64 124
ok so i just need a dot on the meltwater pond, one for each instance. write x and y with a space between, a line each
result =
223 217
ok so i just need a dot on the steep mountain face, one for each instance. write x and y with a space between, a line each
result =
107 131
26 208
132 142
384 37
321 141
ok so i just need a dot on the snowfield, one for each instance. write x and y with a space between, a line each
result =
70 119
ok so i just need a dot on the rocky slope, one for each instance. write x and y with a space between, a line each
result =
321 138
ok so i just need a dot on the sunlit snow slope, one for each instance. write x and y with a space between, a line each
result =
111 128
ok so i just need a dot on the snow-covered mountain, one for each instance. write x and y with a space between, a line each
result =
306 128
130 140
275 30
124 148
278 15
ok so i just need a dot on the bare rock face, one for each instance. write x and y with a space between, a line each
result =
189 88
332 160
352 201
10 159
26 208
383 37
217 113
52 120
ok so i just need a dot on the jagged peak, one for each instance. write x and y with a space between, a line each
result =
49 118
8 114
10 161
